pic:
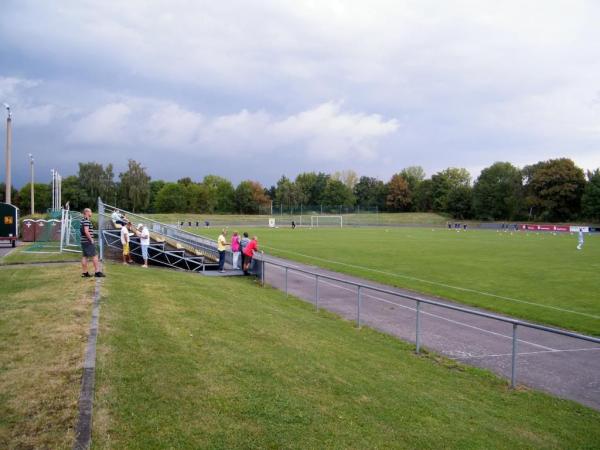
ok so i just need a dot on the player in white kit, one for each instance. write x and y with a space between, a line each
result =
580 239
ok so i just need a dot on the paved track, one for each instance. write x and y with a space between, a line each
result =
5 249
564 366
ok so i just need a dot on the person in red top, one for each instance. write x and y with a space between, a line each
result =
249 253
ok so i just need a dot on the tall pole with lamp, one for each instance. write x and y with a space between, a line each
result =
32 188
8 180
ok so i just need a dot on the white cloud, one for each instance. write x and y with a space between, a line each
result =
106 125
325 132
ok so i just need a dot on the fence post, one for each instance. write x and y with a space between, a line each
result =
286 281
358 299
317 292
418 332
513 375
262 273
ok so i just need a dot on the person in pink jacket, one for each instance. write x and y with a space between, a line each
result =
236 250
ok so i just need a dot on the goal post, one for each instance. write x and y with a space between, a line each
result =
321 221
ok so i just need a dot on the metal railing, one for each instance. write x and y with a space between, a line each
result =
195 241
419 300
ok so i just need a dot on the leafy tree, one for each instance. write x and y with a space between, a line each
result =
249 197
460 201
413 176
186 181
310 187
348 177
498 192
134 187
423 196
42 200
196 195
270 192
221 194
155 187
370 191
96 181
337 193
71 192
285 192
445 182
590 201
14 195
171 198
555 188
399 197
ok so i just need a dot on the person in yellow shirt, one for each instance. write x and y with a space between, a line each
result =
221 247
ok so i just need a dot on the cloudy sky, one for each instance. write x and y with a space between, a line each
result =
256 89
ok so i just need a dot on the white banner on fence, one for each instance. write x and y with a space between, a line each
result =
575 229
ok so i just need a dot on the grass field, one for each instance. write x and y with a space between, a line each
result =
20 255
44 317
186 361
263 220
538 277
194 362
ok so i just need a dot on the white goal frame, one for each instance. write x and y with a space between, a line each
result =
314 220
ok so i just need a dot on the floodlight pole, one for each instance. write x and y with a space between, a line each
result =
32 188
8 181
53 188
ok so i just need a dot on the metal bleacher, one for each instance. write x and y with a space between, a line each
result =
169 245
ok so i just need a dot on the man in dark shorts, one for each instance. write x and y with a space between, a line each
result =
88 247
249 254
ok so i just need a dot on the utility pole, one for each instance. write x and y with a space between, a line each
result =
32 188
8 180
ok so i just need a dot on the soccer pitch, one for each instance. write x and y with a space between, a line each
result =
538 277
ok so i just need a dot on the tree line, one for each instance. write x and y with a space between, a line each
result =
553 190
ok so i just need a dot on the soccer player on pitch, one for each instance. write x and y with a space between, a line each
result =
580 239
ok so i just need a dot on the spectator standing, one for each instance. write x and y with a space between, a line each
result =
144 242
88 248
222 247
125 243
235 248
249 253
243 243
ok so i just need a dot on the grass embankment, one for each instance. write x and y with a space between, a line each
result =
538 277
20 255
186 361
217 220
44 319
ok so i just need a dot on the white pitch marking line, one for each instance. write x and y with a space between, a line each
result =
529 353
435 315
459 288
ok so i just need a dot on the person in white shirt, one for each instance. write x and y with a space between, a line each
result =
580 239
118 219
144 242
125 244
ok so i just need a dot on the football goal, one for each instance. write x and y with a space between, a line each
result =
326 221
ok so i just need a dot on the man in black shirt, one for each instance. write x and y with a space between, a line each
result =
88 247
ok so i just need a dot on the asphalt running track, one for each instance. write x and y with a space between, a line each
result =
564 366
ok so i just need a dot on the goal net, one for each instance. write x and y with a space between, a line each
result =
70 239
326 221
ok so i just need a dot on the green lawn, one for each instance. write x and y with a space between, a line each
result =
538 277
20 255
44 319
186 361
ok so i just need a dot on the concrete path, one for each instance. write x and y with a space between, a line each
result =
563 366
5 249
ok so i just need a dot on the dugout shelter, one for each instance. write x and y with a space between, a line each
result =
9 223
